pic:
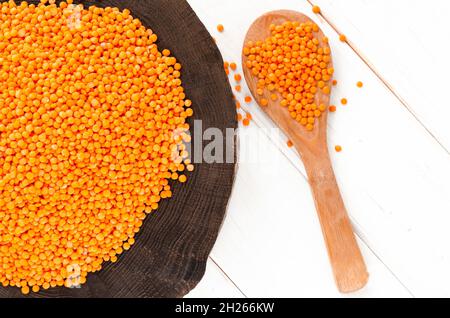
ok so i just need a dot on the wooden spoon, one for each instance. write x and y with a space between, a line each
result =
348 265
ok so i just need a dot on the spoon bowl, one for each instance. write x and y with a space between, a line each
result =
345 256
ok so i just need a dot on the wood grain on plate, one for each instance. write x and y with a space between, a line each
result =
171 250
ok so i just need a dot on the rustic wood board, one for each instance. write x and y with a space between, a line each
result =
171 250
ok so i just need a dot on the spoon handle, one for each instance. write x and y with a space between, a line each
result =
345 256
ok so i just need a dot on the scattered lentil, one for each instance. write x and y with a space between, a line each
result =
226 66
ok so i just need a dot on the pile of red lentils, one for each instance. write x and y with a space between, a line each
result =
92 125
294 64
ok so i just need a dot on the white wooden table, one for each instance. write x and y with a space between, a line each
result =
394 170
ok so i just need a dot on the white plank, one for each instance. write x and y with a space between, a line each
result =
393 175
271 244
215 284
406 41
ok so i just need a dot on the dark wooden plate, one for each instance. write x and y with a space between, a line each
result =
171 250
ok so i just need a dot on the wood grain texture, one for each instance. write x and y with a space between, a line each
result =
171 250
348 265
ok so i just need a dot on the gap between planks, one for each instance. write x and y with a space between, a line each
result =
227 276
385 82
